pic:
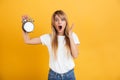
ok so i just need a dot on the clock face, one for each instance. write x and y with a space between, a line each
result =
28 27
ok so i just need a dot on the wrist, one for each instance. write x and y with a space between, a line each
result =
70 36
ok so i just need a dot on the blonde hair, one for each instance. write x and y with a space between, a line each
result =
61 14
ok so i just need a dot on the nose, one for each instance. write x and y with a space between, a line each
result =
59 21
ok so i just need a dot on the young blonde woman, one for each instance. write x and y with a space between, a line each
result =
62 45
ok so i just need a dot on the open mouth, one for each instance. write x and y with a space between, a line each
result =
60 27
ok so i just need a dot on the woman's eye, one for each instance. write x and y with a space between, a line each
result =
56 20
63 19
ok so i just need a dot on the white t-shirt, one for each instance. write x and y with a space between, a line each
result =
63 63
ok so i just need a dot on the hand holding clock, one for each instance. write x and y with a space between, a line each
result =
27 24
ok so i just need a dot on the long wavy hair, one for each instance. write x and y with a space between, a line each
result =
62 15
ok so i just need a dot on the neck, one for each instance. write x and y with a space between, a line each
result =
61 33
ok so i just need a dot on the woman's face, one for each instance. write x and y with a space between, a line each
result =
60 24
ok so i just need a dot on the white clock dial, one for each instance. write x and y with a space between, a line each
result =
28 26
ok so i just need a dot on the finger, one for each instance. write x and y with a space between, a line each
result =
72 27
24 17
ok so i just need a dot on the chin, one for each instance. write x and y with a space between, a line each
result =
60 31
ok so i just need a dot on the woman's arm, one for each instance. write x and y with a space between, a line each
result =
73 46
27 39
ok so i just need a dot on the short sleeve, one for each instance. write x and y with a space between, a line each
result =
45 39
75 38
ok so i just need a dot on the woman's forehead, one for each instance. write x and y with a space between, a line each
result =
59 16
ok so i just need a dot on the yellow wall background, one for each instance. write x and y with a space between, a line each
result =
97 24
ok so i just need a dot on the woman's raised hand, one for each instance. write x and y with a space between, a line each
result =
24 18
70 30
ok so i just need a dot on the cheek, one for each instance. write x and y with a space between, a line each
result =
55 26
55 23
64 24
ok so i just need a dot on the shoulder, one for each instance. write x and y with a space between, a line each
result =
46 35
75 38
45 39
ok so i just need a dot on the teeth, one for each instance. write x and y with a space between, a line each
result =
60 27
